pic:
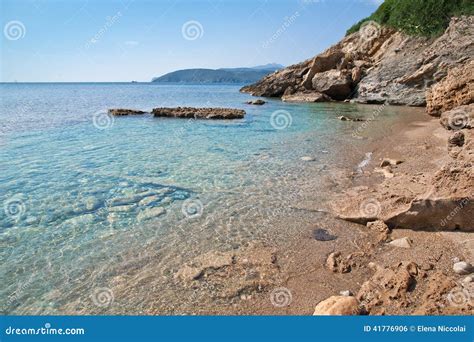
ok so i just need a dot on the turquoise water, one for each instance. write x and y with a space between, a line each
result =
90 201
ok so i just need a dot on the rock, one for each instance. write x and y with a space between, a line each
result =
386 171
390 162
345 118
232 274
346 293
148 200
461 117
424 72
334 83
150 213
392 68
121 208
356 75
199 113
326 61
467 280
455 90
320 234
307 158
386 286
258 102
122 112
402 243
380 227
336 263
456 139
306 97
462 267
337 305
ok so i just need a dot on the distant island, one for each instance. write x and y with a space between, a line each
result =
223 75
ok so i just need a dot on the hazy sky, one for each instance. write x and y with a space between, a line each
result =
112 40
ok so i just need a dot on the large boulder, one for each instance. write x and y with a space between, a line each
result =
326 61
455 90
334 83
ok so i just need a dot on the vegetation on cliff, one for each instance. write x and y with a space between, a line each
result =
418 17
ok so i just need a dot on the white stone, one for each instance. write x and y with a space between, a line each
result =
462 267
402 243
307 158
467 280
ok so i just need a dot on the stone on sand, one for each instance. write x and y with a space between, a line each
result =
337 305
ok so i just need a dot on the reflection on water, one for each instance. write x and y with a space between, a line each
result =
99 206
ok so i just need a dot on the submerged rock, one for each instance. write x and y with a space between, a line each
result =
199 113
150 213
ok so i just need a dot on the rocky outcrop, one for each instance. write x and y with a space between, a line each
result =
199 113
384 67
122 112
456 89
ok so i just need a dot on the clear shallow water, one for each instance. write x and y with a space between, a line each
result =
88 200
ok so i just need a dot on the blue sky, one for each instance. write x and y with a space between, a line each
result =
112 40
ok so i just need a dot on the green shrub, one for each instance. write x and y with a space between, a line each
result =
418 17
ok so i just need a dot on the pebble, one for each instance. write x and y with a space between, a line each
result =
307 158
462 267
467 280
346 293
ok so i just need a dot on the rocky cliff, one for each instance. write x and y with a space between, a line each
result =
379 65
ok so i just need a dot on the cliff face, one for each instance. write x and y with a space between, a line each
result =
376 65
